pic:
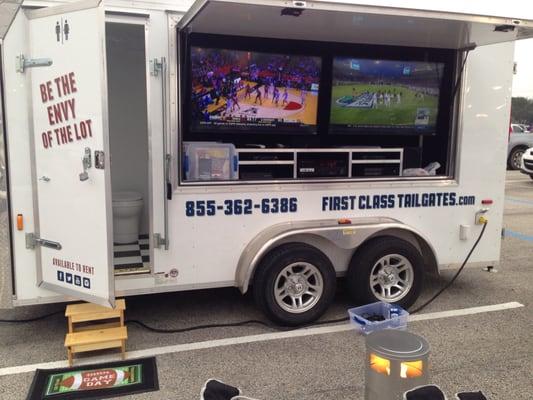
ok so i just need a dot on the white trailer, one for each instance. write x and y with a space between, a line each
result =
96 99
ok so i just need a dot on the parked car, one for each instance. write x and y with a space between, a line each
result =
519 128
519 142
526 166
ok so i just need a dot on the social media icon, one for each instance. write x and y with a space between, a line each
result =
68 277
86 283
60 276
77 280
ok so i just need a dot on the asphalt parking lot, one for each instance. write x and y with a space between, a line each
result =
489 351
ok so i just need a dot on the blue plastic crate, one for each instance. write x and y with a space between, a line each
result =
395 317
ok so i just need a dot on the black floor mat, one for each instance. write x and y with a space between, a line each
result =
95 381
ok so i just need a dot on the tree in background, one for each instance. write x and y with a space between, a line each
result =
522 110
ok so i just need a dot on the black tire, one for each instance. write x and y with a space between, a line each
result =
515 158
363 262
531 176
270 269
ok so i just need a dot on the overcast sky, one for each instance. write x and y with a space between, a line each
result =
523 80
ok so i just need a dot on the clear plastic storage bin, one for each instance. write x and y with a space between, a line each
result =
210 161
394 316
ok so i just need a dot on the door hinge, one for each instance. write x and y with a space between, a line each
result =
160 241
23 63
32 241
99 159
156 66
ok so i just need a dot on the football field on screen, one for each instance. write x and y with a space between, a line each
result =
403 113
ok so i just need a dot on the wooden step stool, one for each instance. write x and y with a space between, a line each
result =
95 336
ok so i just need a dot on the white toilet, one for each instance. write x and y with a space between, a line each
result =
127 207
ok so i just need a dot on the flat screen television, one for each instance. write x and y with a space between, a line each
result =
249 91
385 96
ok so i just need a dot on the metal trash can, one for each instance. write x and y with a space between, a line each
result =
396 361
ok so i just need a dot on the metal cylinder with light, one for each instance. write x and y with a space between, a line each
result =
396 361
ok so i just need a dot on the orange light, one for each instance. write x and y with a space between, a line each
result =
411 369
20 222
379 364
344 221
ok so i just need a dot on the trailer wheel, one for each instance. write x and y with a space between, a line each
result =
386 269
295 284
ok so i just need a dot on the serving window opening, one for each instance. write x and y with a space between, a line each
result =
260 110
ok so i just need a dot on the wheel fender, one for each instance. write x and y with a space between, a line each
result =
337 242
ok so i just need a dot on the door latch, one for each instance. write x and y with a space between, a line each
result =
160 241
32 241
23 63
87 164
156 66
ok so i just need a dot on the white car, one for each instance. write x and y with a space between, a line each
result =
526 166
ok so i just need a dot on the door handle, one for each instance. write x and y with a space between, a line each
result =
33 240
44 179
48 243
163 240
87 163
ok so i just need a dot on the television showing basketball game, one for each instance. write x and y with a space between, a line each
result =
371 95
243 90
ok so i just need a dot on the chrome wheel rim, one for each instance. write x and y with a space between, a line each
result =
391 278
517 159
298 287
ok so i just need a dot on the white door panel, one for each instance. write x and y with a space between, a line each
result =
70 122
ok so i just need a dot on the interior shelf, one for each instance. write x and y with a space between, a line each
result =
264 164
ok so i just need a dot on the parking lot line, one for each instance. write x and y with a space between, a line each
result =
518 235
517 180
518 200
19 369
464 311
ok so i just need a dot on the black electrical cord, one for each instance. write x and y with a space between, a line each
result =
233 324
197 327
262 323
182 330
318 323
40 317
439 292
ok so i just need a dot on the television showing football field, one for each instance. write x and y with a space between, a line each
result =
383 93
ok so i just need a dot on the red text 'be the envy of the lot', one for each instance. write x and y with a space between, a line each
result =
61 112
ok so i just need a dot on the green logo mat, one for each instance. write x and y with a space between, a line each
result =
104 378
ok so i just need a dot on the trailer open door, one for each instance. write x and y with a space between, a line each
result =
344 21
66 68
